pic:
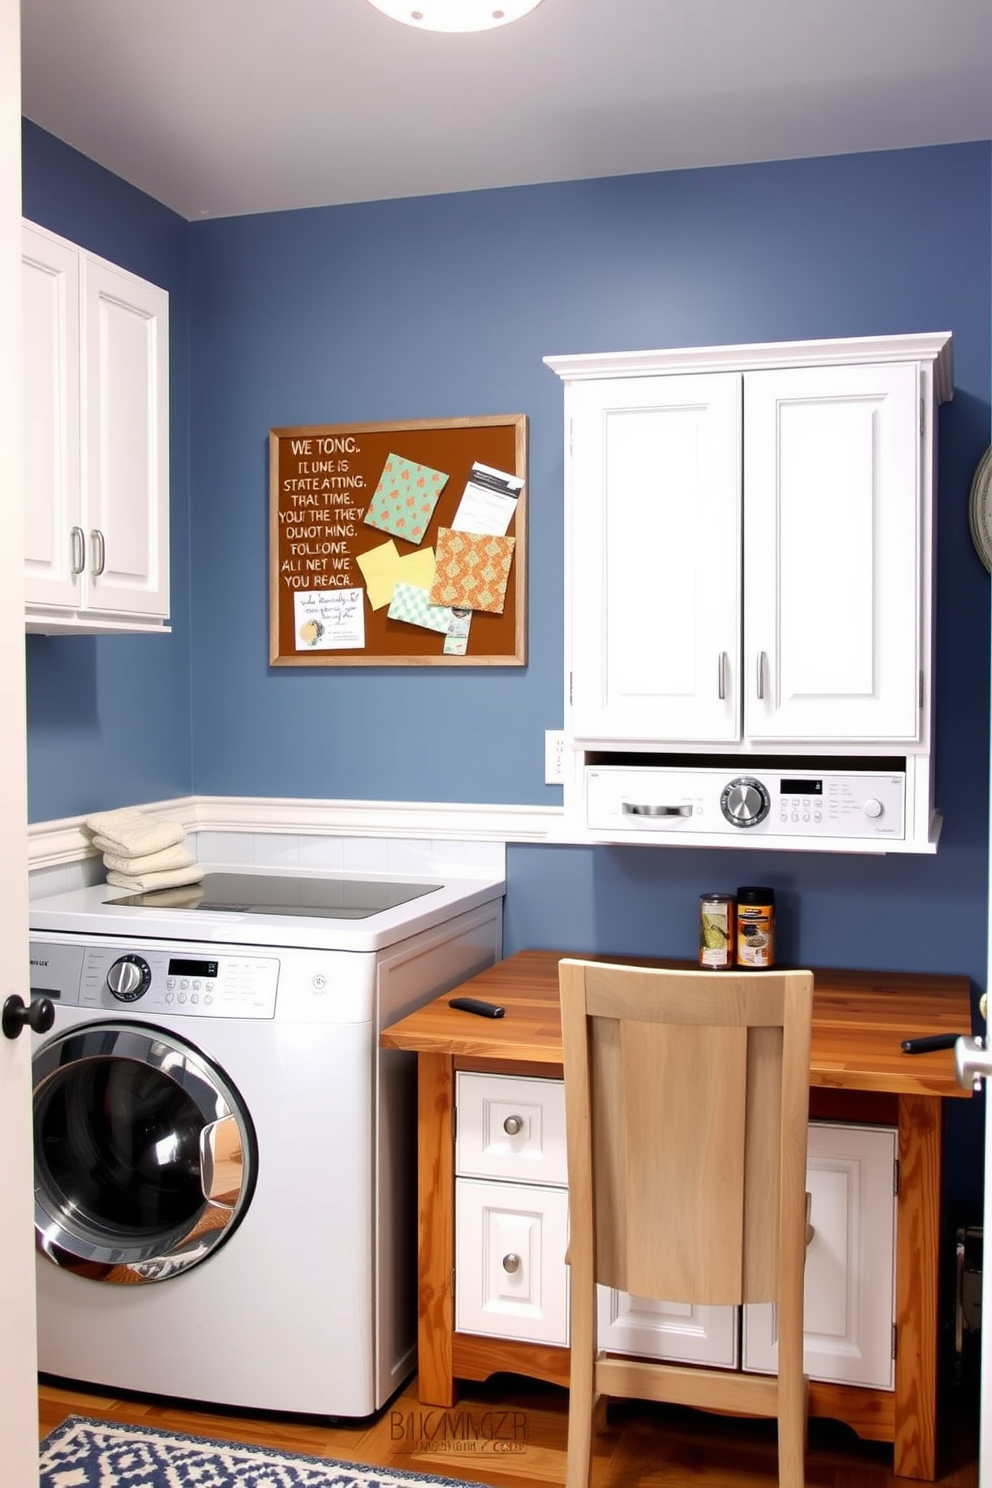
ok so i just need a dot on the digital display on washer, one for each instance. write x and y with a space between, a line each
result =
802 787
181 966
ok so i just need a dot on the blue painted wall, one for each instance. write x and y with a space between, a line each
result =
445 306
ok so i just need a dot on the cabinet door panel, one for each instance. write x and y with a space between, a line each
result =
655 542
666 1330
126 398
832 557
510 1128
511 1279
850 1263
50 279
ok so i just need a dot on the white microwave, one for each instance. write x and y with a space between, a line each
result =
794 803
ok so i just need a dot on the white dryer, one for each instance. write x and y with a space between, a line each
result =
225 1166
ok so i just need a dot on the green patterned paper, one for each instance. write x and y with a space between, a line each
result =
403 502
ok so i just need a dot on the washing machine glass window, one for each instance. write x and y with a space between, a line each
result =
145 1157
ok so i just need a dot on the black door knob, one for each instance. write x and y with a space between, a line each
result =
39 1015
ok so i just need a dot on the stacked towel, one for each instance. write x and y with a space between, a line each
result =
143 852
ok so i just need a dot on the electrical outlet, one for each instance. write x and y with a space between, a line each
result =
554 756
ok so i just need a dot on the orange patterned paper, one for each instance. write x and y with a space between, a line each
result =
472 570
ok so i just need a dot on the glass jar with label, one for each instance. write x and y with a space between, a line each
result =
717 913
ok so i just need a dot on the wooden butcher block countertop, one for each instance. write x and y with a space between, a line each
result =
859 1021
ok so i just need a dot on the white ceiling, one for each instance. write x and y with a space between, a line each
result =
222 107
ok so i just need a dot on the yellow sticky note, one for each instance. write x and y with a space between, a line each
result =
418 568
379 570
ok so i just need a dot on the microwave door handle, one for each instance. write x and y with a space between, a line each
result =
638 808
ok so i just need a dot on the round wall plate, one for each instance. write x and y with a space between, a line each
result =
980 509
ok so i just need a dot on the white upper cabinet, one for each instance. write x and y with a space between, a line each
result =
836 608
749 545
96 377
655 567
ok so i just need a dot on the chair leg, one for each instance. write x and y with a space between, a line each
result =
793 1420
581 1404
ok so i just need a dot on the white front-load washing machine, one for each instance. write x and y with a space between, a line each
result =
225 1165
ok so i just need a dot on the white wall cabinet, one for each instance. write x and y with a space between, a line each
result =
749 544
96 419
511 1222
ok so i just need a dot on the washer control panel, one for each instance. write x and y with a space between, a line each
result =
781 803
168 980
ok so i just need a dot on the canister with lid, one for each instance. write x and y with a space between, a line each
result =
756 927
717 913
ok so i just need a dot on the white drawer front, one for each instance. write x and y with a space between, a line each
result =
510 1128
666 1330
511 1278
850 1263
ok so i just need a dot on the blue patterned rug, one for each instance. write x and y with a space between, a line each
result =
84 1453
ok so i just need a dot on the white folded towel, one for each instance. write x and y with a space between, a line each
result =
130 833
143 882
156 862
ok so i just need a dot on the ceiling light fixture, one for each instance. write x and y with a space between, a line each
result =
456 15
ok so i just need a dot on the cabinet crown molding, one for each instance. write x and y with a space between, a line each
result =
933 347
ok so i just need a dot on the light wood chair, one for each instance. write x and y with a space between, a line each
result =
686 1098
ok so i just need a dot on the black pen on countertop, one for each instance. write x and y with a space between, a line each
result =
931 1041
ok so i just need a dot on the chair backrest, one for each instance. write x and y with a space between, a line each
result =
687 1099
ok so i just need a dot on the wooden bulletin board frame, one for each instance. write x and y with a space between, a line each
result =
321 480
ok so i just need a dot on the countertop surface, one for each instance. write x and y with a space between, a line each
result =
859 1021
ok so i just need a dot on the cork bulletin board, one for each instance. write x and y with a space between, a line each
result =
399 544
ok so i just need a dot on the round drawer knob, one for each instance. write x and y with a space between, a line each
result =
512 1125
511 1263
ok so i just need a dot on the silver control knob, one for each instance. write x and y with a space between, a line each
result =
872 808
129 978
745 802
513 1125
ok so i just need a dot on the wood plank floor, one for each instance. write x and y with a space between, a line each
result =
510 1432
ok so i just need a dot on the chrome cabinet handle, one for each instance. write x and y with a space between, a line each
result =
721 676
511 1263
635 808
78 551
762 661
101 545
512 1125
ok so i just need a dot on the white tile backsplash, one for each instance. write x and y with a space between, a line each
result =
321 853
365 854
440 858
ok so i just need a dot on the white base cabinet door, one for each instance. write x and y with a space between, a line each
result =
511 1277
667 1330
96 416
850 1263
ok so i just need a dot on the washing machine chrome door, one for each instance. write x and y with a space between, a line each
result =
145 1155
